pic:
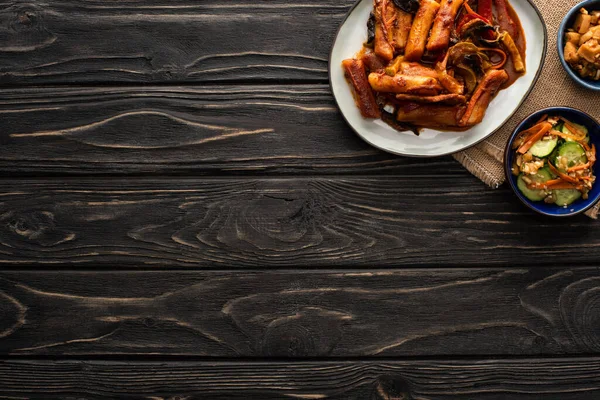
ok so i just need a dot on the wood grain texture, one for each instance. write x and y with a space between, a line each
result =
69 41
418 213
416 380
301 314
208 130
383 221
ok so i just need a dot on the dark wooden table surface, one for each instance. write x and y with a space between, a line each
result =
185 215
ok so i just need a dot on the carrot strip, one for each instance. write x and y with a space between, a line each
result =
535 137
562 175
544 185
564 135
553 184
531 130
579 167
573 128
585 146
564 185
504 58
525 135
549 182
542 119
591 152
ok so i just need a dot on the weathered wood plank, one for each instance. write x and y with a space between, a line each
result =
565 379
301 314
387 221
213 129
59 41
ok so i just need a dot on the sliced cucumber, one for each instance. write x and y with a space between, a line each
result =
582 128
573 152
559 127
585 139
531 194
543 148
553 156
541 176
564 197
544 174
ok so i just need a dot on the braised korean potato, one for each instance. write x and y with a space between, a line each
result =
419 31
441 99
438 116
383 48
414 68
429 63
582 45
440 33
356 74
402 29
484 93
399 83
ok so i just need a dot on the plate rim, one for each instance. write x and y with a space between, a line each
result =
399 153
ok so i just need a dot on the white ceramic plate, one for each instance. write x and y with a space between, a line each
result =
431 142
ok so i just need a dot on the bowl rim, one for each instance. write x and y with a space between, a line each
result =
508 172
560 46
533 84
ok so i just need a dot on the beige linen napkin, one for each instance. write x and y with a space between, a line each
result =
554 88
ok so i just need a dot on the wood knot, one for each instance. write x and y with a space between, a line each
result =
390 387
311 331
22 29
36 227
580 311
168 73
289 340
280 221
27 18
32 224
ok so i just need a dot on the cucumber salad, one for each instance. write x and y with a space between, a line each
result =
554 161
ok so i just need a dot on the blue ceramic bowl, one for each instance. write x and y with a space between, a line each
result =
553 210
567 23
